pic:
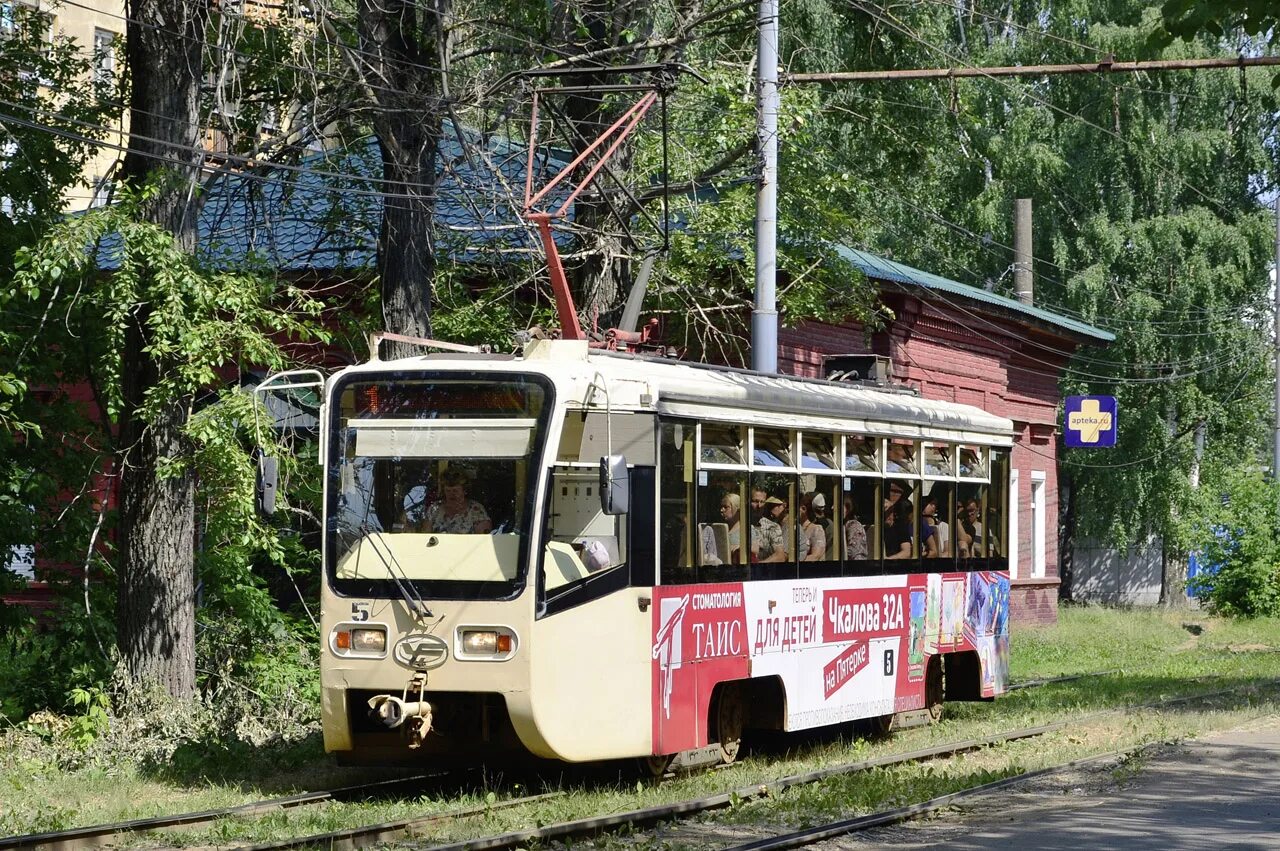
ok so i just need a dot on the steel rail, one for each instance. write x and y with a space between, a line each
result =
593 826
93 836
808 836
97 835
590 827
360 837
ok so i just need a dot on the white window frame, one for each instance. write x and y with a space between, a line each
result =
1013 524
1038 491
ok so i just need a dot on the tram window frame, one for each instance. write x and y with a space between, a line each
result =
742 447
848 454
832 441
912 468
979 469
999 460
676 514
829 483
910 489
945 511
933 471
787 445
871 565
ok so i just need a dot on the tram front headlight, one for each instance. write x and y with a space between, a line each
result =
485 642
369 640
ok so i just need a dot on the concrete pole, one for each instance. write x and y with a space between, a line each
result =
764 318
1275 458
1022 258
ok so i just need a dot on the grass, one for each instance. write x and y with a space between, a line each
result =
1155 655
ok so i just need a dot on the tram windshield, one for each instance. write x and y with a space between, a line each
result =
431 482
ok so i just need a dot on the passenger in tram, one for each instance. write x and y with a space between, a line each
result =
813 537
934 531
928 536
456 513
778 514
900 460
855 534
897 530
766 536
969 517
731 514
824 520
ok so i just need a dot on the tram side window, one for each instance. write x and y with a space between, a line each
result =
724 536
675 493
582 539
971 524
937 524
860 511
773 525
901 541
817 525
998 510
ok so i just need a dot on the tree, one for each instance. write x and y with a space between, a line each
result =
1188 18
1148 220
155 629
48 447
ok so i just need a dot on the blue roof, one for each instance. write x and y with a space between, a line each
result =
324 215
883 269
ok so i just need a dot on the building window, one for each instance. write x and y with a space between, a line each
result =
1037 523
22 561
102 191
104 57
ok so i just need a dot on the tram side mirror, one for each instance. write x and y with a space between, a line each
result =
615 485
265 493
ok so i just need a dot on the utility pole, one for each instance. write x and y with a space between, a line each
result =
1275 457
764 318
1023 283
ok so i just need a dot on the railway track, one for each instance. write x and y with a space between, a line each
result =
590 827
96 836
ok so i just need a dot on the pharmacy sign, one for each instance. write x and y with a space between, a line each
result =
1091 421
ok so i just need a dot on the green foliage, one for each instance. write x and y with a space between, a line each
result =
1189 18
1241 511
68 647
90 705
200 322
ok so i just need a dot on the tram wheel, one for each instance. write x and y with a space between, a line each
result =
933 689
655 766
882 725
730 718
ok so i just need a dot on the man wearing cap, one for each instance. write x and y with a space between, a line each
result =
766 535
823 519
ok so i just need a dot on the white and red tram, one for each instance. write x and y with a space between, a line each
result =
588 555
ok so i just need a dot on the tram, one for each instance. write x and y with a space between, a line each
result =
588 555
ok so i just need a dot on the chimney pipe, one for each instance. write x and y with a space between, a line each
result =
1022 279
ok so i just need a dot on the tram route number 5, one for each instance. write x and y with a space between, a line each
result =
359 612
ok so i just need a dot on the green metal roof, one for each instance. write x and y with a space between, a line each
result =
882 269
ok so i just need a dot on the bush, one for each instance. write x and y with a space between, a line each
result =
1238 543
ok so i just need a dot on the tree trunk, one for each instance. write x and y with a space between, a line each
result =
1173 579
406 247
156 599
404 45
1066 539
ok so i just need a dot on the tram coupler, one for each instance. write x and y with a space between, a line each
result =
395 712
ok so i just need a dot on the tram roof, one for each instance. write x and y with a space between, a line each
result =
724 393
704 391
